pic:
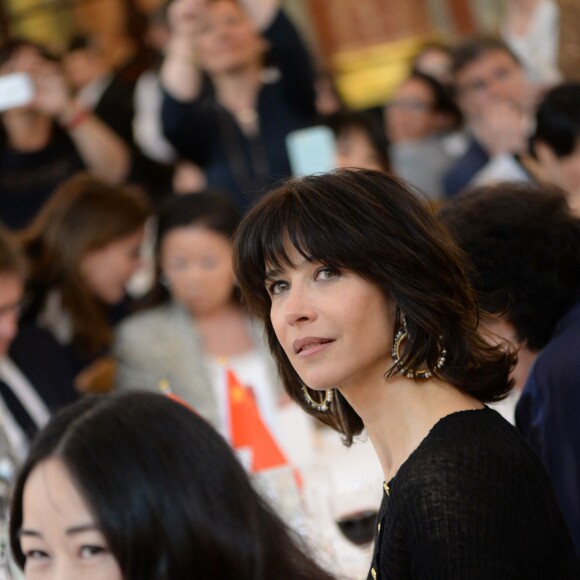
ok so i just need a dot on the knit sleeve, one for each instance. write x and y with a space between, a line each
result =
467 515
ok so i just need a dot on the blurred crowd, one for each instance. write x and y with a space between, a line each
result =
120 196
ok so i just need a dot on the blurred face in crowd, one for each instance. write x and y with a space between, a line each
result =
494 77
60 537
197 263
411 115
226 39
107 270
354 149
11 290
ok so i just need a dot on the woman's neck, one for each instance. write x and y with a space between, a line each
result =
224 332
398 414
27 131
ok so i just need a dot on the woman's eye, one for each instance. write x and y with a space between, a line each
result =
208 263
35 555
277 287
326 274
90 551
177 265
204 28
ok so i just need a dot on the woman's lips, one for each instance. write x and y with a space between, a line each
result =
310 345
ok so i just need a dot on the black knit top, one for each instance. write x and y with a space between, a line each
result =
472 502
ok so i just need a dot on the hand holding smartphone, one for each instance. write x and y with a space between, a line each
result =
16 90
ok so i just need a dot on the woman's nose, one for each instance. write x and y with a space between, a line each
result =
299 307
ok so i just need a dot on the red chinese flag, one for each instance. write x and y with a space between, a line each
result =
248 430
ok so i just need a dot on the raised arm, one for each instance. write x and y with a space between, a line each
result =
103 152
179 75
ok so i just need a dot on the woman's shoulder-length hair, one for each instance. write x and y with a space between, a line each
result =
372 224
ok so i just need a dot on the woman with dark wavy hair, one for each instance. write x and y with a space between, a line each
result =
134 486
83 248
373 324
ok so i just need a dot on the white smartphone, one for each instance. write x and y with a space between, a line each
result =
311 150
16 90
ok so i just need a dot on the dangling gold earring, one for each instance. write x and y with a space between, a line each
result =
400 337
322 406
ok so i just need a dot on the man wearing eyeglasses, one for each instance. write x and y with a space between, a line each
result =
497 102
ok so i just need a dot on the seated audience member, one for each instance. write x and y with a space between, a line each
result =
49 139
98 88
416 118
35 378
360 140
83 248
149 490
556 140
196 329
531 28
223 108
524 245
497 102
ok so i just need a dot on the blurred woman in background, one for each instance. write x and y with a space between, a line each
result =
418 118
196 329
83 248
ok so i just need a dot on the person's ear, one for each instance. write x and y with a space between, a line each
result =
547 161
544 153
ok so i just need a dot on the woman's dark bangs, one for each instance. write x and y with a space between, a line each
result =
294 222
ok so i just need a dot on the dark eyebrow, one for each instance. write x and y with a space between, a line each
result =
90 527
273 273
69 531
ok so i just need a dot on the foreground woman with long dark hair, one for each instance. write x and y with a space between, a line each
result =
134 486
